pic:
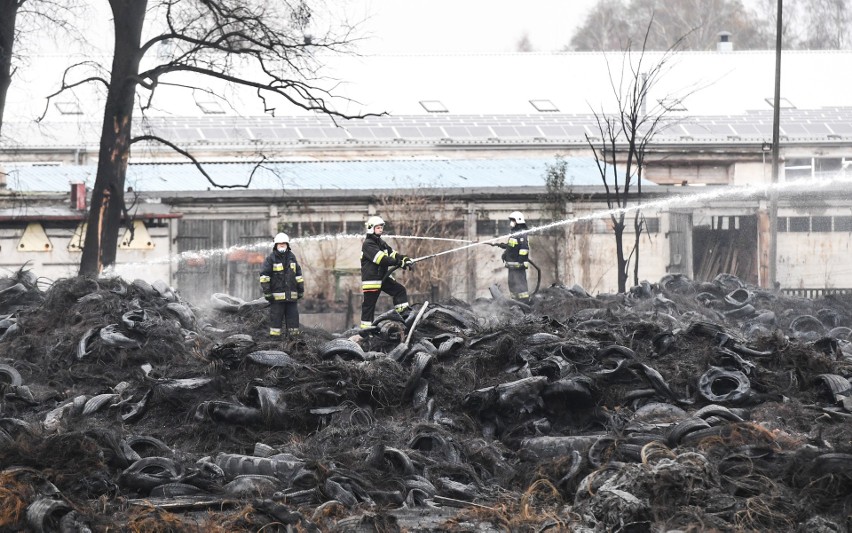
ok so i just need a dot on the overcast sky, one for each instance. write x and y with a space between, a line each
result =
443 26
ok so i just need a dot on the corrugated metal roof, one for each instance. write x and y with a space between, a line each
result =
312 175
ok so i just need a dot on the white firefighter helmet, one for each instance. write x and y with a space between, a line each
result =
518 217
374 221
281 238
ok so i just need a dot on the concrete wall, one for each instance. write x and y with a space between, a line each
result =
61 262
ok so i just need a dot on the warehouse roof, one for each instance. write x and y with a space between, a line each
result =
315 175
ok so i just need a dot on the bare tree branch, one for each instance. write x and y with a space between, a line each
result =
197 163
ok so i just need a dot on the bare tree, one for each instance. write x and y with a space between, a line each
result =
828 24
623 144
605 28
8 16
256 45
611 25
555 207
40 17
433 223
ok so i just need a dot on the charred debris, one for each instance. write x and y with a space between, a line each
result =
680 405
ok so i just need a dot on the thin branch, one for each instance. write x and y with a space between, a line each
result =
66 86
197 163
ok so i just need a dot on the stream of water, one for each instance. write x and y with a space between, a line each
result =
809 186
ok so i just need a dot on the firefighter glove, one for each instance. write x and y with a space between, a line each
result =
268 297
407 263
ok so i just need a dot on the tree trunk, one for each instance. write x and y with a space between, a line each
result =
637 227
619 251
107 203
8 13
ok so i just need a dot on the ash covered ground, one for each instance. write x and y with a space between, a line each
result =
677 406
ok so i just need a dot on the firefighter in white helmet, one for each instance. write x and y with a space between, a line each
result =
376 257
516 254
283 286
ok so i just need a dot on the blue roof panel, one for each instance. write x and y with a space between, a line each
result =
312 175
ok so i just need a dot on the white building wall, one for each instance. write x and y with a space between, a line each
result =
808 260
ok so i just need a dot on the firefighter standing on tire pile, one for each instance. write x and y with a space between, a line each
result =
516 253
283 286
376 257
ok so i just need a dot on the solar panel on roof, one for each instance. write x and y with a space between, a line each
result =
552 131
360 132
841 127
505 131
480 131
409 132
791 129
572 131
311 132
455 132
383 132
431 132
262 133
335 133
817 129
287 133
528 131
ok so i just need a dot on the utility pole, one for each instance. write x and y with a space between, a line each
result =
773 191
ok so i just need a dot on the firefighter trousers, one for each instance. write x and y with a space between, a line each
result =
518 288
281 312
390 286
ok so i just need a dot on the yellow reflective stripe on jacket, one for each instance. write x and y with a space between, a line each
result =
265 279
512 242
300 279
378 258
523 251
277 267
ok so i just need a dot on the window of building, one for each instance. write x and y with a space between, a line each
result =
69 108
842 223
211 107
355 227
454 228
503 227
333 228
652 224
290 228
545 106
827 165
310 228
798 168
784 103
821 224
782 224
434 106
799 224
486 228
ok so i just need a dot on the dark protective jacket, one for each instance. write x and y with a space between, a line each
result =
517 252
376 257
281 276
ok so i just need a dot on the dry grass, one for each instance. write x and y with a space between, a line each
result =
14 499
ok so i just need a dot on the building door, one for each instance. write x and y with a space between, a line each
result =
726 245
252 243
207 262
200 269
